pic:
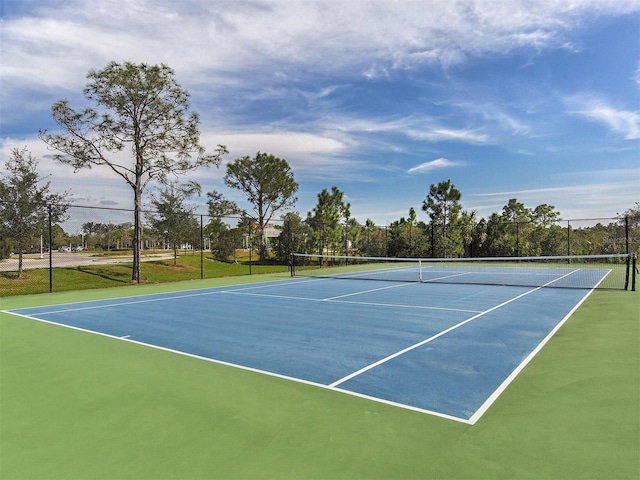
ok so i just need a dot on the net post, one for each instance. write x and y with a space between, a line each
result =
420 270
634 271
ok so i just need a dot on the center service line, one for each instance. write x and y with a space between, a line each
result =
427 340
438 335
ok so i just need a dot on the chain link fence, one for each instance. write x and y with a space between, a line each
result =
508 239
94 246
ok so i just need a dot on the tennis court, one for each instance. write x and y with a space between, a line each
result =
442 349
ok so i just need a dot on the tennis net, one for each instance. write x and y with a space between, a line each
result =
576 271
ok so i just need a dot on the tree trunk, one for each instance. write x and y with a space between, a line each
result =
20 262
263 234
137 235
263 245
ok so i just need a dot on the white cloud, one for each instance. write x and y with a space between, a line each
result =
503 120
450 134
281 143
436 164
586 195
416 127
249 64
311 156
96 186
621 121
61 40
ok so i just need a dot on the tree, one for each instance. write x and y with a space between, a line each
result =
269 185
467 224
292 237
632 217
373 240
405 236
325 219
223 241
174 219
515 211
442 204
546 237
219 206
545 215
26 205
139 107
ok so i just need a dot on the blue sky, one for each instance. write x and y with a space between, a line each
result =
538 101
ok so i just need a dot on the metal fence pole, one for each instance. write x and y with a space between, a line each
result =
626 234
433 240
49 216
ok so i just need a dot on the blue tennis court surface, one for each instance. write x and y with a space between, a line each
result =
447 350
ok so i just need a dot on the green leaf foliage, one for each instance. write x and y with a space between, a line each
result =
138 108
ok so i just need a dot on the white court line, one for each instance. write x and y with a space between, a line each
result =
366 291
127 338
272 295
565 275
381 271
118 304
431 280
438 335
471 421
396 305
427 340
507 381
158 297
331 300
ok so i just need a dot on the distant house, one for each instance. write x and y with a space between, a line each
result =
271 233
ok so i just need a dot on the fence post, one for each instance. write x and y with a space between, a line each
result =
433 240
286 227
50 248
386 240
201 248
626 234
634 272
250 248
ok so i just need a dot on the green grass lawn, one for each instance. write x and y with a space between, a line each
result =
82 406
187 267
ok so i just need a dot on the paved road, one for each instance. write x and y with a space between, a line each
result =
31 261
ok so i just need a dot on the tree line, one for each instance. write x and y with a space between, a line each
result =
142 108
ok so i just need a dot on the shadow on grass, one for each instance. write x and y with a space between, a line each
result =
11 276
105 273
